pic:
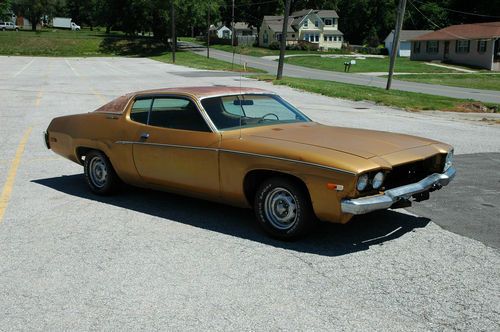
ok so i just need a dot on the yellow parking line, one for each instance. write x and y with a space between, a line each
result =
38 98
11 177
99 95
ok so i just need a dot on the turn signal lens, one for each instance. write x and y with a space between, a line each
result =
378 180
449 160
362 182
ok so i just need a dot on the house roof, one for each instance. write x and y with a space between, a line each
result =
275 23
407 35
319 12
464 31
242 26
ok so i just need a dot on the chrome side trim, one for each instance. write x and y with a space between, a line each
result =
379 202
240 152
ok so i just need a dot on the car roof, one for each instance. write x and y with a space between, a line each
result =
204 91
119 104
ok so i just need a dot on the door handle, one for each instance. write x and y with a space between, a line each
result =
144 135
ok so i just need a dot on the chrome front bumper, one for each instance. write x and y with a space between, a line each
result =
390 197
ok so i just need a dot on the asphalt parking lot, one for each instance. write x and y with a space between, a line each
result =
155 261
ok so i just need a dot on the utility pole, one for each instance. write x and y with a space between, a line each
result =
284 33
208 33
395 42
174 37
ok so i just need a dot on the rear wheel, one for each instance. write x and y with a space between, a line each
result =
99 173
283 208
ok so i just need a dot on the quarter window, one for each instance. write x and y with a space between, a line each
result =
140 110
176 113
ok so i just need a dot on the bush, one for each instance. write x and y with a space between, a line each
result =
274 45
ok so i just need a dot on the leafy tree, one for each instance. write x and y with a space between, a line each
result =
34 10
5 7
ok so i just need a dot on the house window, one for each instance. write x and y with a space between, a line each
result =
334 21
293 35
462 46
278 36
325 38
432 46
306 23
316 23
416 47
317 38
481 46
306 37
340 38
328 21
265 38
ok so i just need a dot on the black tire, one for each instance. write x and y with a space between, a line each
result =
100 174
283 208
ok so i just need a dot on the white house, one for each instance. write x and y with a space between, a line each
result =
223 32
314 26
405 39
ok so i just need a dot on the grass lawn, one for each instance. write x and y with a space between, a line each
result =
88 43
484 81
400 99
193 60
261 51
403 65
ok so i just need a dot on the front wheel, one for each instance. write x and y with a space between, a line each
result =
283 208
99 173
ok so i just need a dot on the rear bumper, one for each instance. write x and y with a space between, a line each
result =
46 139
390 197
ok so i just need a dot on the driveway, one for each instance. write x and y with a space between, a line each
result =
302 72
155 261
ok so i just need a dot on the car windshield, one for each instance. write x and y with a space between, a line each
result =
250 110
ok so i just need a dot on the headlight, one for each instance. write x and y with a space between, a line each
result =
378 180
362 182
449 160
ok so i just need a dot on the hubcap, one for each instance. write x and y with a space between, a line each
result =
280 208
98 172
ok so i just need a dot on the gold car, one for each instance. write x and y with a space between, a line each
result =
249 148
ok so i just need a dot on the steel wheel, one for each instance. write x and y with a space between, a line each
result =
283 208
98 172
280 208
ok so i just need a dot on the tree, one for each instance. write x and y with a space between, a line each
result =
34 10
5 9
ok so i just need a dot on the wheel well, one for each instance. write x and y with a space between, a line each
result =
254 178
82 151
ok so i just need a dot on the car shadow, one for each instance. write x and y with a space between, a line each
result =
327 239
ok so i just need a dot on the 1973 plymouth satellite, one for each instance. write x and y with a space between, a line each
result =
249 148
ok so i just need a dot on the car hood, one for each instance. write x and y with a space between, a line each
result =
359 142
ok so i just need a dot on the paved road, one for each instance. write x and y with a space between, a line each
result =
358 79
148 260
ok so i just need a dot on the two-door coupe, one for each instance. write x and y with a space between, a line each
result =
249 148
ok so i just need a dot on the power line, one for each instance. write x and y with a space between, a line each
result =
461 12
434 24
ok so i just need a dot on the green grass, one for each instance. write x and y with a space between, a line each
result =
403 65
88 43
193 60
76 43
406 100
485 81
261 51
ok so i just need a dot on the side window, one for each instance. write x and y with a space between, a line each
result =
176 113
140 110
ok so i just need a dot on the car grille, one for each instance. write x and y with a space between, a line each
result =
413 172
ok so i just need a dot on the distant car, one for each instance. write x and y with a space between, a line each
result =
249 148
8 26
